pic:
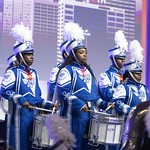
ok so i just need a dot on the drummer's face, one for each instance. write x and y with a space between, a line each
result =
120 62
137 76
81 55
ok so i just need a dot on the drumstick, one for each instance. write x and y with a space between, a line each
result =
38 108
94 112
90 111
109 107
53 110
97 112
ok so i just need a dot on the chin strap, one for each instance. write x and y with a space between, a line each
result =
113 57
23 59
75 56
133 77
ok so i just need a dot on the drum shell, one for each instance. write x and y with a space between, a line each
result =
106 129
40 132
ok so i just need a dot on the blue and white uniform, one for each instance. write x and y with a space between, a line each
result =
19 86
108 81
77 86
129 95
140 90
111 78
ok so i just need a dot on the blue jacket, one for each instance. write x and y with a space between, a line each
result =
77 86
129 95
19 86
108 81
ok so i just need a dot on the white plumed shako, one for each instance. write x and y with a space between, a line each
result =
23 36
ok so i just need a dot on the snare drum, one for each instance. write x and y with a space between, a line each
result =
40 133
105 129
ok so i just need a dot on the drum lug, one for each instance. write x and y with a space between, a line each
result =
93 141
37 143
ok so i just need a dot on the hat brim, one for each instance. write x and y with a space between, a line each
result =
136 71
79 47
27 51
120 57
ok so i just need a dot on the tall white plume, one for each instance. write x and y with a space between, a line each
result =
21 33
136 51
73 31
121 41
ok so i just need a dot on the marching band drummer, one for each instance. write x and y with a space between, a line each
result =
20 85
77 86
111 78
133 91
